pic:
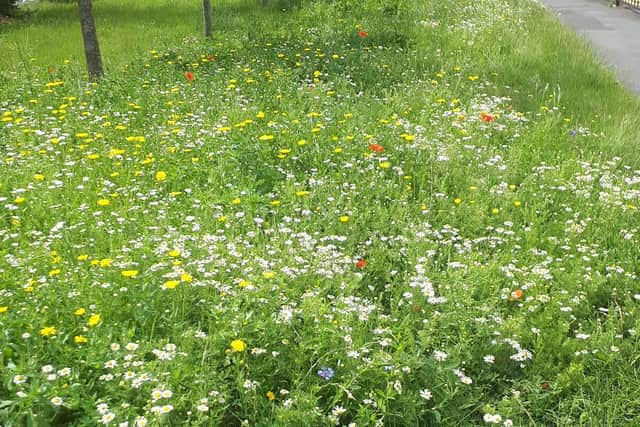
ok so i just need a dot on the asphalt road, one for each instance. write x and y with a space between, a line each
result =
613 32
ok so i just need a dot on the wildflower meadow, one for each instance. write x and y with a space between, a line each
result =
331 213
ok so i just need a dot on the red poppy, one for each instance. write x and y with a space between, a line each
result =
485 117
363 33
189 76
361 264
377 148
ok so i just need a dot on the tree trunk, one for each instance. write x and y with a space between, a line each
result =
90 38
206 7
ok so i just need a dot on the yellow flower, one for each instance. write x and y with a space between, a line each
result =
270 395
105 262
268 274
238 346
4 309
186 277
104 202
275 203
174 253
48 331
235 201
38 177
79 339
170 284
495 211
19 200
457 201
161 176
265 137
385 165
302 193
344 218
260 115
94 319
129 273
79 312
517 203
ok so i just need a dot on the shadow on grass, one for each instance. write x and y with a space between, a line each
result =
166 13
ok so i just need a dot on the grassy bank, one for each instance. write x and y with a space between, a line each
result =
333 213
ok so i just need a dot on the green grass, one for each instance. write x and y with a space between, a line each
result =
433 223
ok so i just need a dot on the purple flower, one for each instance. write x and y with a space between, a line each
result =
326 373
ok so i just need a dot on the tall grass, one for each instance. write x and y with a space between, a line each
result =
333 213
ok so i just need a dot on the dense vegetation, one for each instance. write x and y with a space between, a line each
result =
333 213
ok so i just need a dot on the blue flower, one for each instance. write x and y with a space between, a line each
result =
326 373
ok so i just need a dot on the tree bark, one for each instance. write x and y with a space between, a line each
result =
90 38
206 7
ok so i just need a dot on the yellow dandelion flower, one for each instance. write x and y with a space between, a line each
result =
104 202
80 312
517 203
82 257
19 200
186 277
344 218
270 395
235 201
238 346
38 177
94 319
170 284
265 137
275 203
105 262
161 176
385 165
129 273
48 331
495 211
457 201
4 309
80 339
268 274
174 253
302 193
